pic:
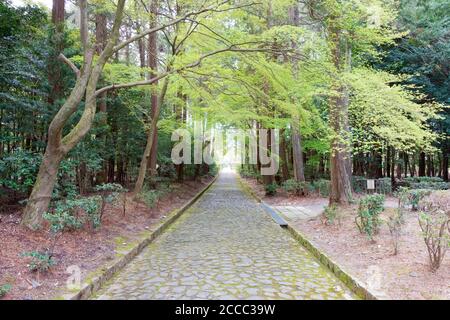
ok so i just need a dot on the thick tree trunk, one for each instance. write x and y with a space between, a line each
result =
284 161
422 164
297 153
43 188
341 190
100 39
54 77
153 65
145 157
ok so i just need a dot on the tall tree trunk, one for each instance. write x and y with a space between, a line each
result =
54 78
153 65
422 164
297 152
100 40
284 161
341 191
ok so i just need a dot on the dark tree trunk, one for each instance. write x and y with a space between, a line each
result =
422 164
55 76
283 157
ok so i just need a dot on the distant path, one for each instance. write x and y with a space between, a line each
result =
225 247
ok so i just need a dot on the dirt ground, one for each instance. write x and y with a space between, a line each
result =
403 276
85 248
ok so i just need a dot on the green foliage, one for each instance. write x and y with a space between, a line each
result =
18 170
415 196
322 187
359 184
4 289
72 214
295 187
395 222
40 261
331 214
271 189
384 186
248 172
149 197
368 220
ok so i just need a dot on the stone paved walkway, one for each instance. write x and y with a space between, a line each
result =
225 247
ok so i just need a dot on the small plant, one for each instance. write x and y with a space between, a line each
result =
434 221
110 193
331 214
66 215
271 189
395 222
415 196
40 261
295 187
368 218
322 187
4 289
149 197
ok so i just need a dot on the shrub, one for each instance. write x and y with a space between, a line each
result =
110 193
415 196
383 185
40 261
4 289
322 187
368 220
65 215
295 187
395 223
331 214
359 184
271 189
434 221
149 197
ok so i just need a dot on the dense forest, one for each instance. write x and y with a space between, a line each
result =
91 91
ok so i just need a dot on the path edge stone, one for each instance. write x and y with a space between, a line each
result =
95 283
350 281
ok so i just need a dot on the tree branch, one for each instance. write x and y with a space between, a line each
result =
72 66
178 20
231 48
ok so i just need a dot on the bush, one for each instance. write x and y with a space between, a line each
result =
359 184
322 187
66 216
383 186
149 197
110 193
395 223
368 220
415 196
271 189
434 221
430 183
248 172
4 289
18 170
295 187
40 261
331 213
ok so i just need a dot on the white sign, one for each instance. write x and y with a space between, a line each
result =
370 184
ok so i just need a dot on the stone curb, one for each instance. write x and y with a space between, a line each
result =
95 283
353 284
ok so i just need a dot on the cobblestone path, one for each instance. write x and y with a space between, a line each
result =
225 247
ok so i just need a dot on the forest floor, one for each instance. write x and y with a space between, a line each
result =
84 248
403 276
